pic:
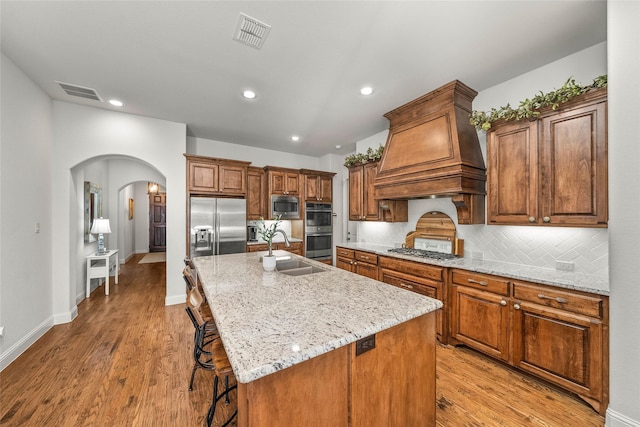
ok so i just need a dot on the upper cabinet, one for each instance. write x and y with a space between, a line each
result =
552 170
220 177
283 181
362 204
318 185
256 189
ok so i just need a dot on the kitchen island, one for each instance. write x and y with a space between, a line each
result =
328 348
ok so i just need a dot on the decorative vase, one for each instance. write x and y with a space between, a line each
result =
269 262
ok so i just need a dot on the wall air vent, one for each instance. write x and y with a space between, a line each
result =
251 32
82 92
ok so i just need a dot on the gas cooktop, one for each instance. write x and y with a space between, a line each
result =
424 253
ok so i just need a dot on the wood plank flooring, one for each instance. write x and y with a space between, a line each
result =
126 360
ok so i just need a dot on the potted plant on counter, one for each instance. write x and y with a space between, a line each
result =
267 232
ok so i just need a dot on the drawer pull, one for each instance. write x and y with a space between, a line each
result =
556 299
365 257
478 282
406 286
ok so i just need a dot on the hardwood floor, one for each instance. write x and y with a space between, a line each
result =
126 360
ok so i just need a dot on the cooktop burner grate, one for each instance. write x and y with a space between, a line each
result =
423 253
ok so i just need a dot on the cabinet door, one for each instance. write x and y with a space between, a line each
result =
203 177
371 205
366 269
326 188
292 183
344 263
480 320
561 347
311 187
277 182
256 206
574 164
233 180
356 189
512 169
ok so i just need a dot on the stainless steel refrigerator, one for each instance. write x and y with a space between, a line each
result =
218 226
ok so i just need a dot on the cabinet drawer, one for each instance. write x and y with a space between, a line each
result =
403 283
493 284
414 268
346 253
589 305
366 257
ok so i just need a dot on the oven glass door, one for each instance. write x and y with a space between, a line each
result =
318 218
319 246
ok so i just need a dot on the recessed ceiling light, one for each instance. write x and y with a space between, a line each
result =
295 138
116 103
249 94
367 90
338 146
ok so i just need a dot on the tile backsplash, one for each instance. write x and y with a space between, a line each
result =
586 248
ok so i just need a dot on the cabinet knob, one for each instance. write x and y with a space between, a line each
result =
503 302
532 219
516 306
546 219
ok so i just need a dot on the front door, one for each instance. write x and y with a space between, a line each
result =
157 222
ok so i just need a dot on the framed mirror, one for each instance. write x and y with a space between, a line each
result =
92 208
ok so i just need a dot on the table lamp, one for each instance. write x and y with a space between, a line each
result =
100 227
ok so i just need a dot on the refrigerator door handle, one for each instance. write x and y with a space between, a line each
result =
217 236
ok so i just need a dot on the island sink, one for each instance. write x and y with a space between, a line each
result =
296 267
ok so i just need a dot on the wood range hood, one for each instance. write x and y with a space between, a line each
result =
433 151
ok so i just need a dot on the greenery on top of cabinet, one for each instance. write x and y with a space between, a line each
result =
361 158
529 108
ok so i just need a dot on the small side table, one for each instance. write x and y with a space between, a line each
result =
98 267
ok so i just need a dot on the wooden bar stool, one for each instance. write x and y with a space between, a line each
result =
205 334
222 369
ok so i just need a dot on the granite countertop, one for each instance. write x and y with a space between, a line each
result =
546 276
269 321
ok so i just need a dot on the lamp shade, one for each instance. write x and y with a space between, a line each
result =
100 225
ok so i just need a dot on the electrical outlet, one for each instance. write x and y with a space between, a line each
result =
477 255
37 227
564 265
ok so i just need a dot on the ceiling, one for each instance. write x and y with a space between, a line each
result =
177 60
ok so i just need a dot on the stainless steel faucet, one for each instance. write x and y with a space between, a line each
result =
286 238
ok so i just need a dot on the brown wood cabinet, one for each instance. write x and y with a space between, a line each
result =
318 185
212 176
359 262
556 334
283 181
553 170
420 278
363 206
256 190
295 248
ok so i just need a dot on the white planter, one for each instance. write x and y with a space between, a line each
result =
269 262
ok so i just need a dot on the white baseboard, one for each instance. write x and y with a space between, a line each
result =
616 419
175 299
24 343
60 318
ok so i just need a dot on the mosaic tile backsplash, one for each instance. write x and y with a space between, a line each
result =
586 248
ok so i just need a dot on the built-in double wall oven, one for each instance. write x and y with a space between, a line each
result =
318 230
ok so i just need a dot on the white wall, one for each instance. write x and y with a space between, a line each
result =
25 194
624 204
83 133
535 246
141 244
126 226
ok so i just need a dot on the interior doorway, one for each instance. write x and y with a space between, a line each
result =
157 222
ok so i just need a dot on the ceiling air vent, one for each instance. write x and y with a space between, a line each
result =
82 92
251 32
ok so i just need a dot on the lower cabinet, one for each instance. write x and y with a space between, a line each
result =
420 278
556 334
359 262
